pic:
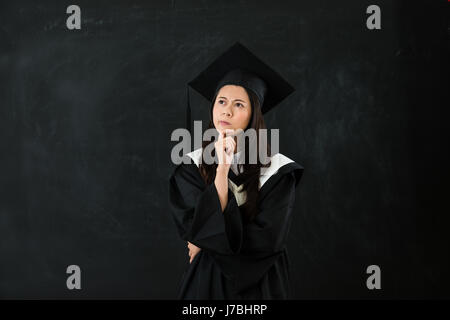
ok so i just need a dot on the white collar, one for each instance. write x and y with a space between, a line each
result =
277 161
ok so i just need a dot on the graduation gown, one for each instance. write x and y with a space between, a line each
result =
238 260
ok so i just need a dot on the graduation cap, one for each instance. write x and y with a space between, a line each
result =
239 66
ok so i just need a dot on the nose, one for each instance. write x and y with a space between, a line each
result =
226 111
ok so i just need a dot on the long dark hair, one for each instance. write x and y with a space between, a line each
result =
251 172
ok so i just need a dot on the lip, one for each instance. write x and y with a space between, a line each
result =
224 123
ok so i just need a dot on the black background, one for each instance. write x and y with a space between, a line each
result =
86 117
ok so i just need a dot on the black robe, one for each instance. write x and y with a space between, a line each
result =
238 260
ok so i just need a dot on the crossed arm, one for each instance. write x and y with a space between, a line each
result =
221 182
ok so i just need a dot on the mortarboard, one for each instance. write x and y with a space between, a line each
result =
239 66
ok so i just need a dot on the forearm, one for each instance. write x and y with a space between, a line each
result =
221 183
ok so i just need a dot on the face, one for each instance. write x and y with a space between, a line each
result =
232 108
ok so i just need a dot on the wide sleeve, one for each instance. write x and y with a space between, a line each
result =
264 238
197 212
268 232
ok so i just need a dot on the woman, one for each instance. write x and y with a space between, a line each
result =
234 214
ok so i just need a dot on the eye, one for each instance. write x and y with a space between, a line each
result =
240 105
220 101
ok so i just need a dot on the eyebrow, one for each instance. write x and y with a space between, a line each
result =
234 99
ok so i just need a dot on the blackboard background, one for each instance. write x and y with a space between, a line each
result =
86 118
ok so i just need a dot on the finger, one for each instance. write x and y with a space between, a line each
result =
229 132
230 140
230 145
228 149
227 142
